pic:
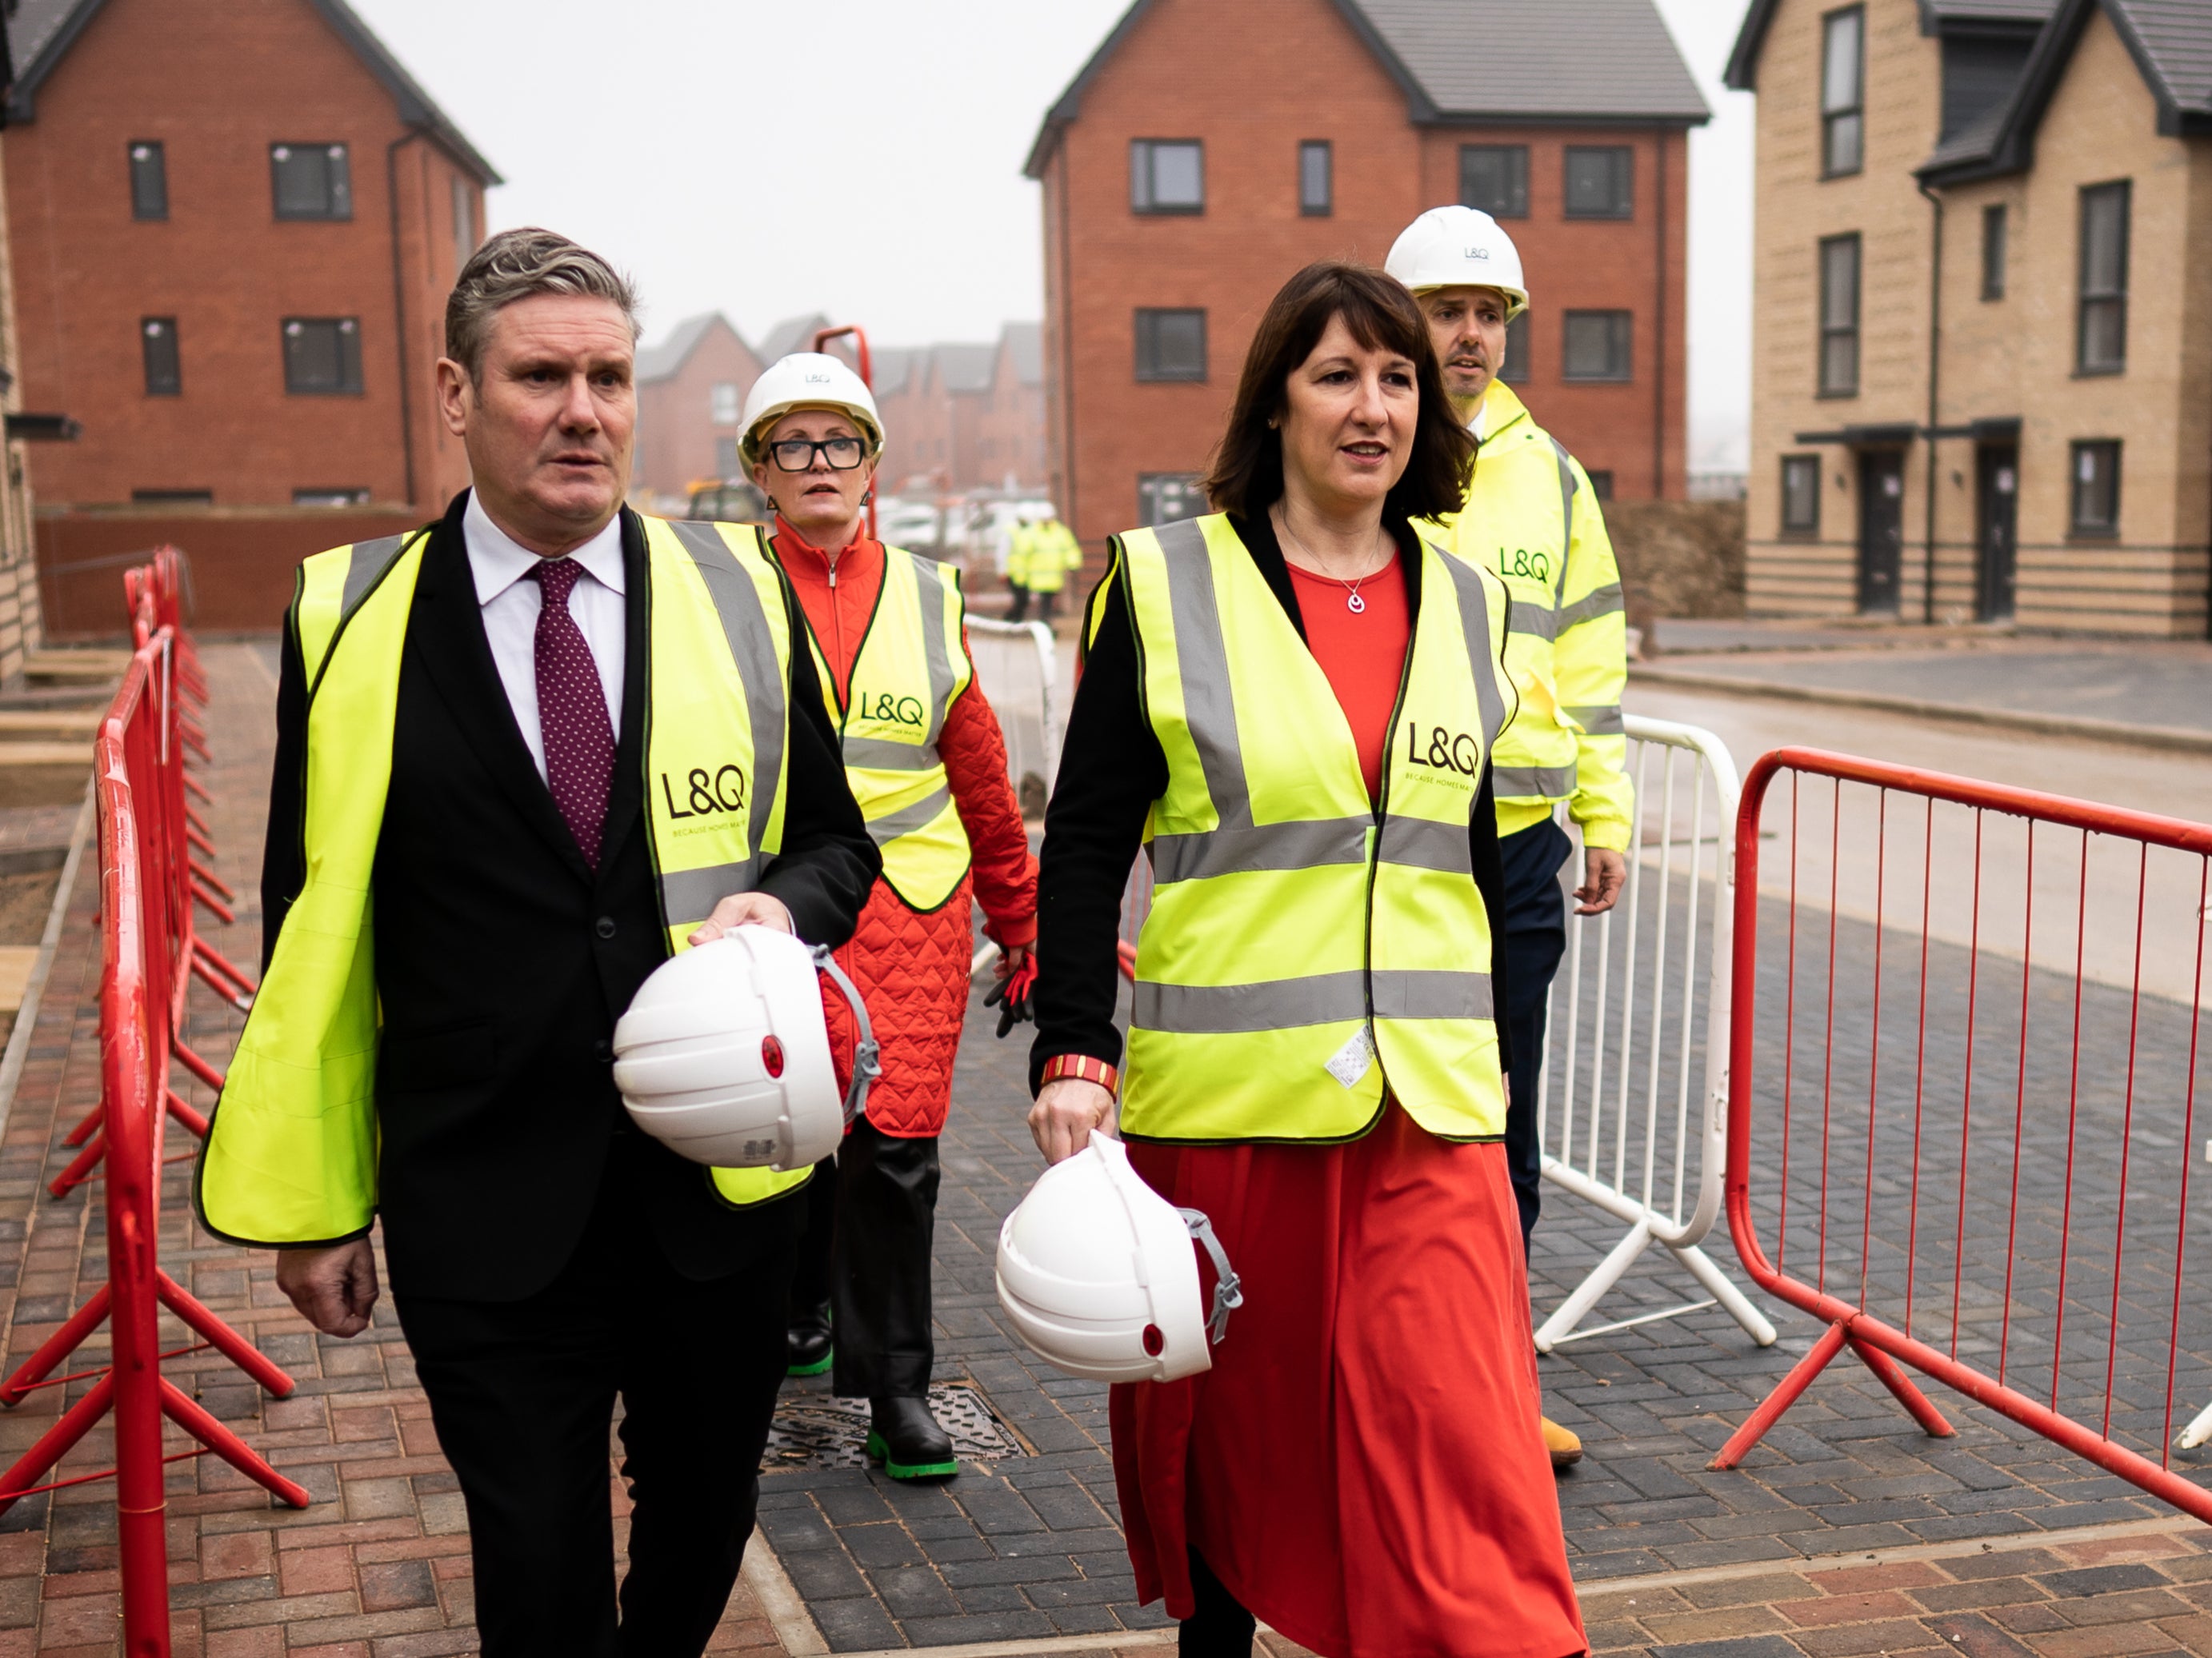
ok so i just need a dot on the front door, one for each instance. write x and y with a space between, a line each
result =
1881 529
1996 541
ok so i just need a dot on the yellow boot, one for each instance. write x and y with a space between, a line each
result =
1565 1448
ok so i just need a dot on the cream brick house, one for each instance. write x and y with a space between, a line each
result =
1983 324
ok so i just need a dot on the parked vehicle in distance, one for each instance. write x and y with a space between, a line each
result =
914 522
728 501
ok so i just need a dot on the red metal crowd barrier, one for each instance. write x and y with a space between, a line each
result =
139 794
1962 1098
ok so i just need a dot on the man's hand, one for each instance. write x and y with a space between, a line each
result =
1604 873
739 909
334 1289
1067 1108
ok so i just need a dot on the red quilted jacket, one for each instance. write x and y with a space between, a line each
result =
911 966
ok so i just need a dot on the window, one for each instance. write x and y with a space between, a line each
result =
1514 371
2101 338
464 222
1600 482
345 496
173 497
1170 345
150 180
1495 178
722 403
1167 175
311 181
1801 495
1600 180
1596 345
1317 178
322 356
2097 487
1843 92
1839 317
1993 251
165 369
1167 498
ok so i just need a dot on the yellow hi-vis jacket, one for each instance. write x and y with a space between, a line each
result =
291 1151
1021 545
1310 951
1532 516
1052 552
912 663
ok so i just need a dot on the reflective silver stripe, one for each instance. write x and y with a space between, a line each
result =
690 894
1475 623
370 560
1413 993
1534 620
887 828
879 754
1599 719
1271 1004
1535 783
929 587
1599 601
752 647
1566 515
1420 843
1209 705
1304 845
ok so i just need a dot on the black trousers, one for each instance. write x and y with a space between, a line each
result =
871 1219
1536 937
522 1393
1020 607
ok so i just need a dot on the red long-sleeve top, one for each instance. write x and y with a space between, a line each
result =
839 596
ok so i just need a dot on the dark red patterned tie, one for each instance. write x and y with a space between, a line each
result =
572 711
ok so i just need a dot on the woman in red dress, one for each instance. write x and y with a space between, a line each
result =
1362 1467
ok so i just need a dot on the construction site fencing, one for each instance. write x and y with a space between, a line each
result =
137 762
1962 1098
1632 1105
1017 666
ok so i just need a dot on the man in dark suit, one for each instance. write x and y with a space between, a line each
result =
546 1257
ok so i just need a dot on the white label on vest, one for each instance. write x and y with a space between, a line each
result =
1350 1062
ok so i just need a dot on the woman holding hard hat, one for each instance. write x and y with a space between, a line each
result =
926 762
1290 704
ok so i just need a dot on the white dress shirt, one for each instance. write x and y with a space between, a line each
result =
510 603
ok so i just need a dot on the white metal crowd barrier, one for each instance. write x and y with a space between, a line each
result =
1017 669
1632 1110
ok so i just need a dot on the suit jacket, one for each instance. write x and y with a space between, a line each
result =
503 961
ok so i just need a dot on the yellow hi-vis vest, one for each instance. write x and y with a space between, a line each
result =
1532 516
291 1151
1310 951
911 664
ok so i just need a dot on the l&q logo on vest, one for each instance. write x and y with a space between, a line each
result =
1439 749
889 710
701 793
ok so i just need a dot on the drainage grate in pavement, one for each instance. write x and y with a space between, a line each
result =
822 1430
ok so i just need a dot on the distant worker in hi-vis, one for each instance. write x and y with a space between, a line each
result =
1532 519
888 632
1289 706
524 757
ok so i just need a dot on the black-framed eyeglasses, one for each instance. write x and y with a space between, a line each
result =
797 454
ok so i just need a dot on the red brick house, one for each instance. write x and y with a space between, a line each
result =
691 393
1211 148
235 226
965 417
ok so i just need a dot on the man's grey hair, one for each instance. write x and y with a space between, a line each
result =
516 264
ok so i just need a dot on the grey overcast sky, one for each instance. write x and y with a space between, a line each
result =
863 157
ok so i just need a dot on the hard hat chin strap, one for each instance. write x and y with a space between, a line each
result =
867 1063
1228 1291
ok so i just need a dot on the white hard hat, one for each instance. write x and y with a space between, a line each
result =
808 379
1459 247
723 1056
1097 1272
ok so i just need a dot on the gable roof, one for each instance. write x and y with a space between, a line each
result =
41 32
1589 61
1024 342
792 334
2171 42
965 367
665 360
893 366
1936 17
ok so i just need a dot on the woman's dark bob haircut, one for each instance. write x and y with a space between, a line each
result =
1247 477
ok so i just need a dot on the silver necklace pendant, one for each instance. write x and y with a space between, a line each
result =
1355 604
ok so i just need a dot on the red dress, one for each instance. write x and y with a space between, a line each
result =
1362 1466
911 966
